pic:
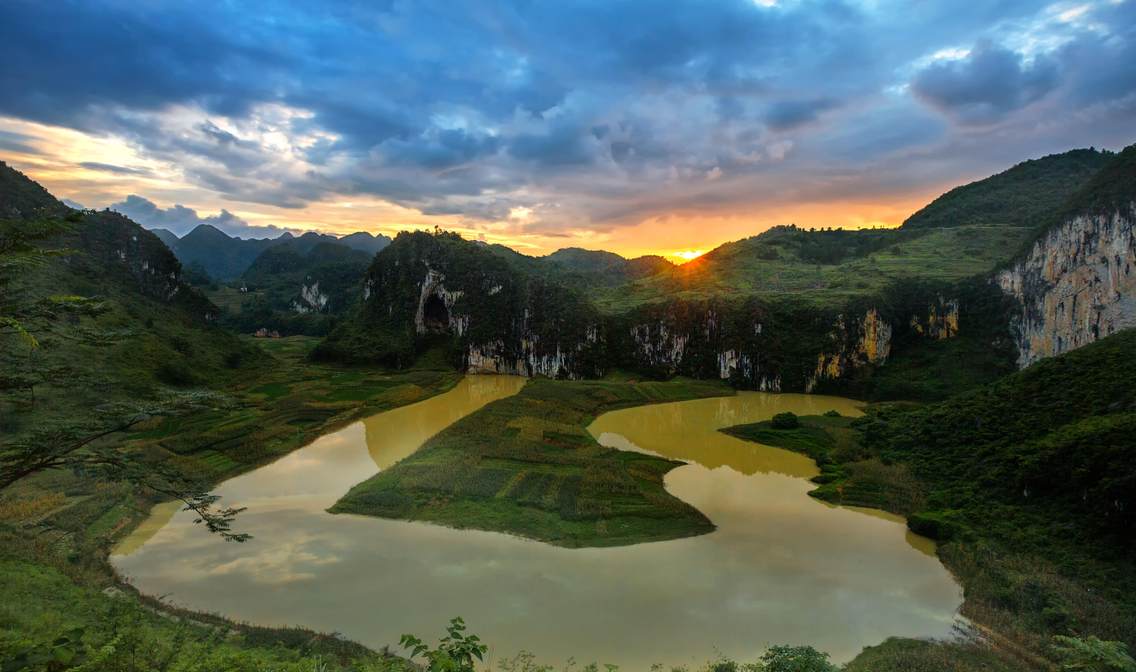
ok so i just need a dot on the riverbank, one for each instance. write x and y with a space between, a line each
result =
1021 482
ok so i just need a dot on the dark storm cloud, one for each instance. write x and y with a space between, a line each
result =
789 114
590 110
111 168
17 143
986 85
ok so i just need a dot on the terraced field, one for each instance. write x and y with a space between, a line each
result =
291 404
527 465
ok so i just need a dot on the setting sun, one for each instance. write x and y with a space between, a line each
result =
687 255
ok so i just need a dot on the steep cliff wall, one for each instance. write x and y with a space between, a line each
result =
493 316
500 316
110 242
857 342
1076 285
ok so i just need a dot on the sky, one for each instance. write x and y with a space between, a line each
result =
640 127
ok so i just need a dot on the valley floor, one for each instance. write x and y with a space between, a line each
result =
57 528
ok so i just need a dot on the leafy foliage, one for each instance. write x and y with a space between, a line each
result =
456 652
786 420
795 659
1093 655
1071 415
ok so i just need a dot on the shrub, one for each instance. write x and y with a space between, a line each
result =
176 372
786 420
795 659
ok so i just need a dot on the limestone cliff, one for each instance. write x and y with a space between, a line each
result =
493 317
856 343
1077 284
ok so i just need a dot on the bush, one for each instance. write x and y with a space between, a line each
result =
937 525
795 659
176 372
786 420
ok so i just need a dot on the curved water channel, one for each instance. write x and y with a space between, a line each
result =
781 567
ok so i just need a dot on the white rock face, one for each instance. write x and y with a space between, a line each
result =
312 300
1077 285
659 345
491 358
432 287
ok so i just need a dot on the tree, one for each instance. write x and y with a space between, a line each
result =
24 246
786 420
1093 655
795 659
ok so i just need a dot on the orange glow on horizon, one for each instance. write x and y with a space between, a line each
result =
64 161
687 255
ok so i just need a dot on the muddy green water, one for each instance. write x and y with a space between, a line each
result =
781 567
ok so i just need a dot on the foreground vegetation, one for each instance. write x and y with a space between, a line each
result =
527 465
1027 484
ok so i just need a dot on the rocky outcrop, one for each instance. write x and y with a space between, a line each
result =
497 316
436 307
1076 285
495 358
941 321
490 314
311 299
858 342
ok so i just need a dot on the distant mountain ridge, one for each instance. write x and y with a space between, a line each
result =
225 257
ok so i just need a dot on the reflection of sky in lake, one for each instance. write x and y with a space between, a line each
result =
781 568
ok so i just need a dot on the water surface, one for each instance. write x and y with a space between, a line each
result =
781 567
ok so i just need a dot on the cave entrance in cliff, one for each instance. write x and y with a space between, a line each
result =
435 316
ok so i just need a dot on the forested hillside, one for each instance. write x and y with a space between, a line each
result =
1025 195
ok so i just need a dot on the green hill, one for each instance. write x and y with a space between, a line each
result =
296 289
21 198
1025 195
1005 443
220 255
824 268
426 285
1110 189
116 326
225 258
579 259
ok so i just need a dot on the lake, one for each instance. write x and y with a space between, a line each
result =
781 568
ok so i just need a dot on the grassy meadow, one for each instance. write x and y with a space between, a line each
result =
798 264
